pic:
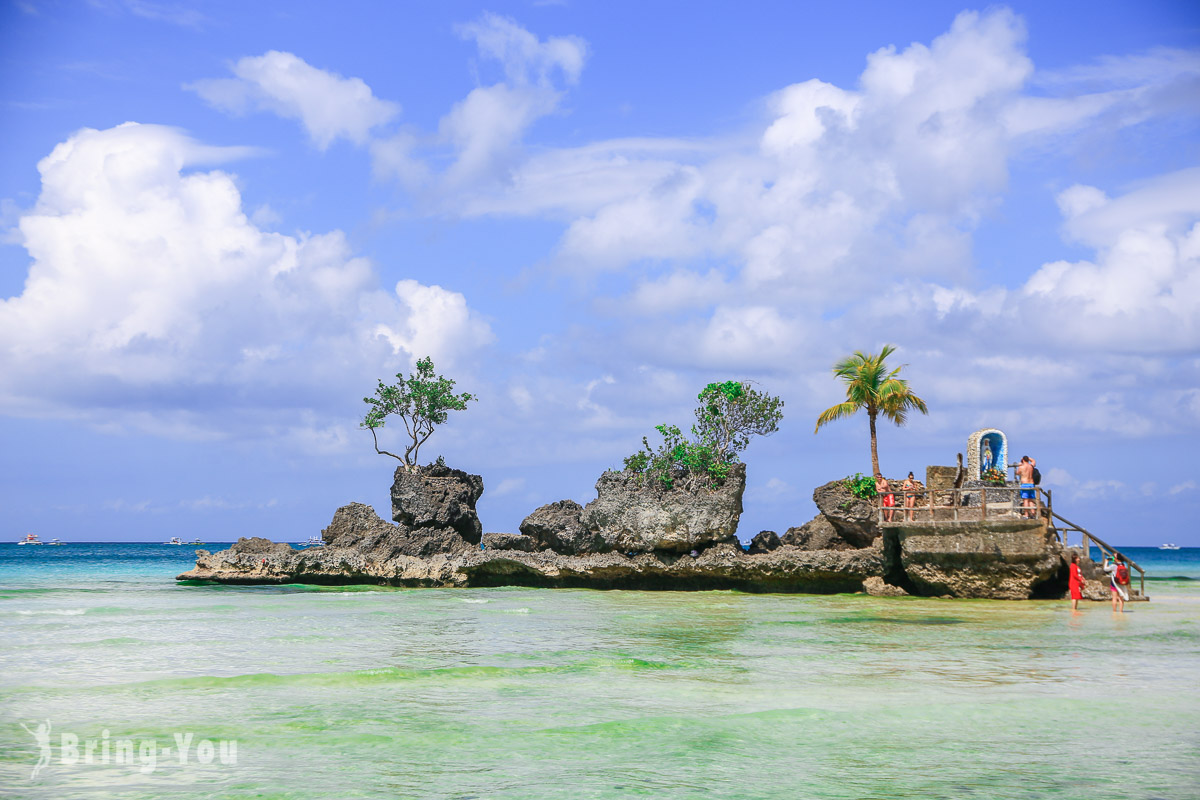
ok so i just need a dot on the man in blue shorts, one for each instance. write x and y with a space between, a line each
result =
1028 492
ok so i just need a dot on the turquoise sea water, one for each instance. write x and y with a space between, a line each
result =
524 693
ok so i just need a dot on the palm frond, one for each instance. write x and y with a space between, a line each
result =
839 411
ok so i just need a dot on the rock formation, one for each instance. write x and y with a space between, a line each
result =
816 534
633 514
1001 559
764 542
638 537
853 518
437 497
557 527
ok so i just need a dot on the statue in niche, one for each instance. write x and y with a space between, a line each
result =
986 449
986 457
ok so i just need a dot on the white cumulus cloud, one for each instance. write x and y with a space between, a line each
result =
150 290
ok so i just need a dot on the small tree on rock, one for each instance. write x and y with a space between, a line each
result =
728 415
422 400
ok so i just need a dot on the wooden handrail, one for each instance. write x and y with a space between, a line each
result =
1044 509
1105 548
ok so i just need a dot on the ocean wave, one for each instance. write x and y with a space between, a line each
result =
475 600
58 612
383 675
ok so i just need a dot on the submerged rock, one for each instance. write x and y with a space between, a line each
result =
878 587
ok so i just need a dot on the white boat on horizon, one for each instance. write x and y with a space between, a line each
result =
174 540
1168 547
313 541
196 541
55 543
31 538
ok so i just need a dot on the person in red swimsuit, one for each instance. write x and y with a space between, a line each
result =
889 499
1075 582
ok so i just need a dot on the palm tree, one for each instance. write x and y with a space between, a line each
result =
870 385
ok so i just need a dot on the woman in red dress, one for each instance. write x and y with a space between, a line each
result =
1075 582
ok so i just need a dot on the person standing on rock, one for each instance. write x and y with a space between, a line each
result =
910 495
1028 491
1075 583
889 499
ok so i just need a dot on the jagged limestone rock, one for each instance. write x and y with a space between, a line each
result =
438 497
634 514
509 541
816 534
764 542
853 518
557 526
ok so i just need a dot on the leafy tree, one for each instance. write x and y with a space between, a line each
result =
728 415
872 386
422 401
731 412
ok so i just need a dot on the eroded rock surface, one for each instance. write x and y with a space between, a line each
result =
1007 560
437 497
722 566
764 542
557 526
509 541
635 515
816 534
853 518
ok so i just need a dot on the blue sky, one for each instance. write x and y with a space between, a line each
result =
220 223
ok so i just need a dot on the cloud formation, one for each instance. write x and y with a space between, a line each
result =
150 289
326 104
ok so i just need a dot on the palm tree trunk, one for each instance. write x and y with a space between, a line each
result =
874 447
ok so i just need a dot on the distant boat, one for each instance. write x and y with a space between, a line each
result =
54 542
31 538
1168 547
174 540
313 541
195 541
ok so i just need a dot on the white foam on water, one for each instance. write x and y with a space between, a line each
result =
475 600
59 612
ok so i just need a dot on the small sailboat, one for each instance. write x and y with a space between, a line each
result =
1168 547
31 538
174 540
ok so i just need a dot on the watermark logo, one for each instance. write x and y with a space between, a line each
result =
145 754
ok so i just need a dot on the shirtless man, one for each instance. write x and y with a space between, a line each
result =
1028 492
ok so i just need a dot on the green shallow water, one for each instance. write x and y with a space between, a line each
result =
522 693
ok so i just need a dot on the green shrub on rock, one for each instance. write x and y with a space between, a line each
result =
728 415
